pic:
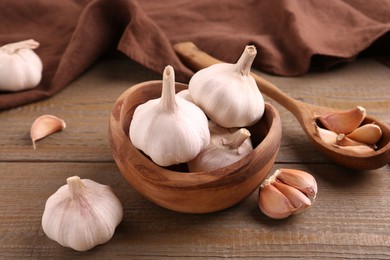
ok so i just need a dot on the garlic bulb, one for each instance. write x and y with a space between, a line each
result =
20 66
81 214
226 146
170 129
227 93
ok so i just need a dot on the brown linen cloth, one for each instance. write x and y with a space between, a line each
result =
291 36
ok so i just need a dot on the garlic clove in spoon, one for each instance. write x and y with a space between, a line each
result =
20 66
45 125
170 129
343 122
227 146
81 214
227 93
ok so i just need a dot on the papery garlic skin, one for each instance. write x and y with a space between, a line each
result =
81 214
20 66
227 146
170 129
287 192
227 93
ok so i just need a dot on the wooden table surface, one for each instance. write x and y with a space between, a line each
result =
350 218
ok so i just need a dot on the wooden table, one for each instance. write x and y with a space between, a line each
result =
350 218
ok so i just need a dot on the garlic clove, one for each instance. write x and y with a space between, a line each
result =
81 214
343 140
369 134
297 198
45 125
343 122
357 149
300 180
274 203
329 137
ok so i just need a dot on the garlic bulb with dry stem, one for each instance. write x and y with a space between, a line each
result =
20 66
170 129
287 192
226 146
81 214
227 93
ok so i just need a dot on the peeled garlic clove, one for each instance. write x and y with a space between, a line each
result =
357 149
227 93
227 146
329 137
298 179
274 204
170 129
45 125
20 66
343 122
297 198
369 134
81 214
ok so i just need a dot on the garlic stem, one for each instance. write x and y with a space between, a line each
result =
244 63
236 139
14 47
76 187
168 89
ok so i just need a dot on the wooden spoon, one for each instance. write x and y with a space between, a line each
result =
305 113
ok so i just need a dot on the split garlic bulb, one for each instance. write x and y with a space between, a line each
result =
227 93
20 66
170 129
226 146
81 214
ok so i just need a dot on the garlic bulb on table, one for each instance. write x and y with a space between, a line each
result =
20 66
81 214
170 129
226 146
227 93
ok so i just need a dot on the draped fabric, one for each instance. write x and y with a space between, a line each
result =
291 36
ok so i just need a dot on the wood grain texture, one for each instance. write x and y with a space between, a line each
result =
349 220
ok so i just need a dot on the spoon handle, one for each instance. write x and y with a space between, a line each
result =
198 59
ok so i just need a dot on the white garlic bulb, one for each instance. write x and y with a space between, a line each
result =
226 146
81 214
227 93
20 66
170 129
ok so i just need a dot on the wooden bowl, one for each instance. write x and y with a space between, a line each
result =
177 189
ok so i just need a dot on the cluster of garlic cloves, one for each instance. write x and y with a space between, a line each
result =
81 214
344 130
287 192
227 146
20 66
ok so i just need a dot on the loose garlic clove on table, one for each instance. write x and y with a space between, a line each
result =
45 125
287 192
81 214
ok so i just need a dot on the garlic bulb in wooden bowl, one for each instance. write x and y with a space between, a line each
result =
174 187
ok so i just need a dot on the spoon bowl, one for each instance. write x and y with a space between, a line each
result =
305 113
